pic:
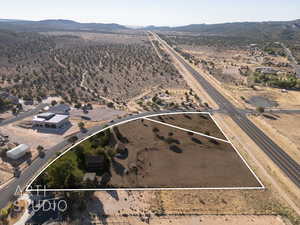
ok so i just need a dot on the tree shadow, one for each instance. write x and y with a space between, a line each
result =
122 154
171 140
118 167
203 116
96 209
161 119
190 133
162 138
269 117
113 194
187 116
196 140
214 141
175 148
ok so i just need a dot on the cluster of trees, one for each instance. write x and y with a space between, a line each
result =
68 171
218 41
274 49
294 46
23 45
39 66
272 80
4 104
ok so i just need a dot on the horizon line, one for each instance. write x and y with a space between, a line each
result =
149 25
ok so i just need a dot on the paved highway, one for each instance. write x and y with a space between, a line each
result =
289 166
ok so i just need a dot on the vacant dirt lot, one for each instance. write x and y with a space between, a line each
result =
215 220
284 129
143 207
161 156
197 122
98 113
289 100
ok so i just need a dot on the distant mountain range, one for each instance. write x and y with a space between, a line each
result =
50 25
273 29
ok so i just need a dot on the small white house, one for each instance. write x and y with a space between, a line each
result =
17 152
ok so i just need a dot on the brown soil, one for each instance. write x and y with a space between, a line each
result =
166 158
197 122
214 220
283 129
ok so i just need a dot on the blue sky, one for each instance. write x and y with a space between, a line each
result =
152 12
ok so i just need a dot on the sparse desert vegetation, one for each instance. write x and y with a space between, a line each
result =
82 67
237 60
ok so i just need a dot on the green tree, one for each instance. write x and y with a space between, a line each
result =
73 139
40 148
81 125
260 109
53 103
64 173
41 151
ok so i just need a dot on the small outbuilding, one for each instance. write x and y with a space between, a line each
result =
62 109
94 163
18 152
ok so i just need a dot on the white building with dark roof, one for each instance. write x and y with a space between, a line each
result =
50 120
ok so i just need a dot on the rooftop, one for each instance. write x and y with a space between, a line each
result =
20 148
61 108
46 115
49 118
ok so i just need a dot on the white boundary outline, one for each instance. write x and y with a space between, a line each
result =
28 187
262 185
183 129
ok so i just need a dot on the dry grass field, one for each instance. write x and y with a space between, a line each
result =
162 156
197 122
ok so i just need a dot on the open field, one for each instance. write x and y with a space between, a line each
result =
284 129
147 154
197 122
184 207
166 158
274 98
214 220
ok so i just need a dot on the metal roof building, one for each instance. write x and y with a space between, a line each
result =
50 120
18 151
